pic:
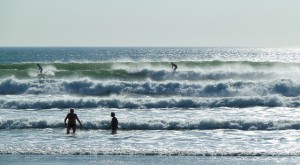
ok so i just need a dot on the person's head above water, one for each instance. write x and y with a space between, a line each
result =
71 110
112 114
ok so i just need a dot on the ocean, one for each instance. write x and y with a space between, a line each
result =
222 105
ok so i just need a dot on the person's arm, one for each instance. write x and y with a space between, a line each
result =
66 120
111 122
78 120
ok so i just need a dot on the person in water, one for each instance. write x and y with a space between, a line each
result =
40 68
72 117
174 66
114 123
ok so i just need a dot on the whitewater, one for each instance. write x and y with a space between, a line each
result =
219 102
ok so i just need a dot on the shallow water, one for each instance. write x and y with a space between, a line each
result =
152 142
147 160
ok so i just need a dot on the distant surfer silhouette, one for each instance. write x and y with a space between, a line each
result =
72 117
40 68
114 123
174 66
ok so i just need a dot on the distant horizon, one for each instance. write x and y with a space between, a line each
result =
149 47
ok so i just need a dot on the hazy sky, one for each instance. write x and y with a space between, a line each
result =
251 23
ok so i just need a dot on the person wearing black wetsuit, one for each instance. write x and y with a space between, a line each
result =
174 66
114 123
40 68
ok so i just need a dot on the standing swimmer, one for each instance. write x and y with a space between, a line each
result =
114 123
72 117
174 66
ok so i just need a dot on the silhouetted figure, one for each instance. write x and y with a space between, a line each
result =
40 68
174 66
72 117
114 123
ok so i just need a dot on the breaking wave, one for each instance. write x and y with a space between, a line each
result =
207 124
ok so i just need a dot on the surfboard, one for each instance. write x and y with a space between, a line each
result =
41 76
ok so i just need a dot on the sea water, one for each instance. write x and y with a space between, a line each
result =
219 102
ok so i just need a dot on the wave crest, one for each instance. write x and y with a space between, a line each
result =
88 87
207 124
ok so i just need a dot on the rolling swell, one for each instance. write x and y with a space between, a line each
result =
88 87
152 85
147 103
188 70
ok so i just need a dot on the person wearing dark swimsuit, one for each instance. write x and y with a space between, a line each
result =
72 117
